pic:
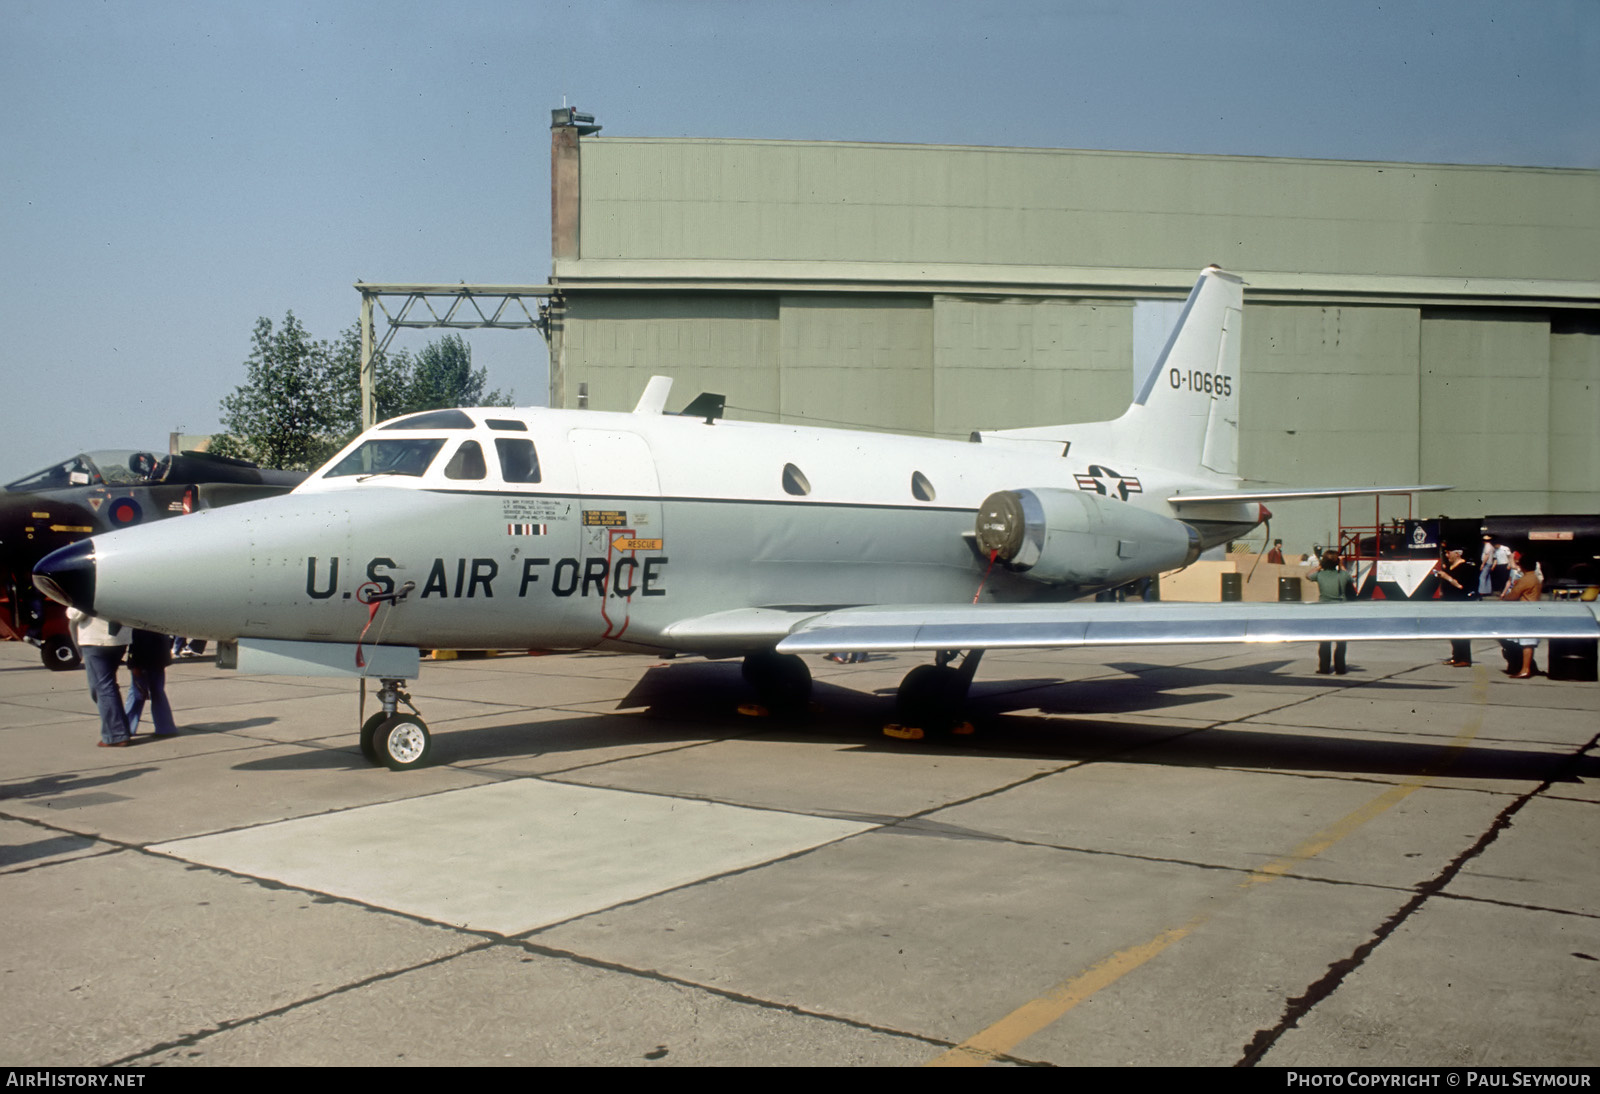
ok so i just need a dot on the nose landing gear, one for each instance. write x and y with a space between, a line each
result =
401 742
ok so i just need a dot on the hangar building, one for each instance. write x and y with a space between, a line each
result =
1403 322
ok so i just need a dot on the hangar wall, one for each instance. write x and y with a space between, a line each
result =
1404 322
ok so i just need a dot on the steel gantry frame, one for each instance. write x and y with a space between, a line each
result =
460 306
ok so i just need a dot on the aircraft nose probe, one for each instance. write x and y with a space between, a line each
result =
67 575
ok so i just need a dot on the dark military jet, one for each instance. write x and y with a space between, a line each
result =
98 492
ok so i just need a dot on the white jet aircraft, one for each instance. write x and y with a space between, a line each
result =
667 533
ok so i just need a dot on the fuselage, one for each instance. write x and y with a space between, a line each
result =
562 529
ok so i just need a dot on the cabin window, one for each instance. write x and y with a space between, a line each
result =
507 424
518 461
410 456
794 481
433 419
467 463
921 488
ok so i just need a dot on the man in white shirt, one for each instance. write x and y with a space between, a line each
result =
102 644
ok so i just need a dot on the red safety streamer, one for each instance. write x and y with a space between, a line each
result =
992 556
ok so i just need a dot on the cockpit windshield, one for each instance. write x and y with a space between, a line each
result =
103 467
388 456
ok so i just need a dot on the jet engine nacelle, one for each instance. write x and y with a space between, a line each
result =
1070 537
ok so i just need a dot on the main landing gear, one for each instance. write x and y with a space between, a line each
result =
398 741
932 698
781 679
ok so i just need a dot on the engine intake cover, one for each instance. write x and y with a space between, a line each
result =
1071 537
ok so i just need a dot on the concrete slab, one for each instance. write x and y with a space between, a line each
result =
1462 984
512 856
107 956
1544 858
1236 820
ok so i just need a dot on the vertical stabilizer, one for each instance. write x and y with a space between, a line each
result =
1186 413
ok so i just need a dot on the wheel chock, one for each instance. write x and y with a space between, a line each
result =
903 733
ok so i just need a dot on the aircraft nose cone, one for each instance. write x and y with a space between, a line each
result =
67 575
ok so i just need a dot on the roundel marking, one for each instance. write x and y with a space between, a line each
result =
124 511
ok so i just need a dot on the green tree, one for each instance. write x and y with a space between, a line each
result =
442 376
301 399
281 416
391 382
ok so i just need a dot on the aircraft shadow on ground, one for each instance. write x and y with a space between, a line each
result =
692 702
51 786
227 727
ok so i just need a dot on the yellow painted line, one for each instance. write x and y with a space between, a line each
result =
1002 1038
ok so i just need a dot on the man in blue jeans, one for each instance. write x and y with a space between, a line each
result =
102 643
148 656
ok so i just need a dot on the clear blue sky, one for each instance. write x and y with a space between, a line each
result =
170 171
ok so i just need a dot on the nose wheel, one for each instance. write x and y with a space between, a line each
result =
398 741
402 742
58 653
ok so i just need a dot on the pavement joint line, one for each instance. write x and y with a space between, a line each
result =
1338 971
1368 780
195 1037
1002 1036
742 998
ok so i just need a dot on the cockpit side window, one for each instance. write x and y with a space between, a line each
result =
518 460
389 456
467 463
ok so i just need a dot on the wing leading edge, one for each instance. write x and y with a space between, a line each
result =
996 626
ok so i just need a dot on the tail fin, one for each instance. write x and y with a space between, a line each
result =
1186 411
1185 415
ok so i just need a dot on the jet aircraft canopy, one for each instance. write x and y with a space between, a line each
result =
102 467
119 467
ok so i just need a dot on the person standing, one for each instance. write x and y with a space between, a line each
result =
1499 567
102 643
1458 580
1530 586
1275 556
149 654
1333 583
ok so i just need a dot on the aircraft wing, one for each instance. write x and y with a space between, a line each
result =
1022 626
1295 493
